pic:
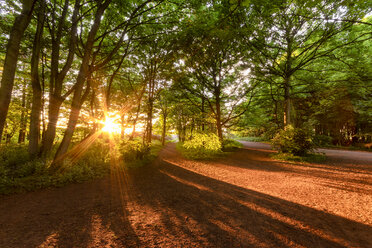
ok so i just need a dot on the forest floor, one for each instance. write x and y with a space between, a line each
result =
245 199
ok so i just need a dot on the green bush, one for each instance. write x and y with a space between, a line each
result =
13 154
230 145
135 154
132 150
21 174
309 158
202 146
253 139
322 140
292 140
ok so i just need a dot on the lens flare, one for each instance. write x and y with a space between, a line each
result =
111 125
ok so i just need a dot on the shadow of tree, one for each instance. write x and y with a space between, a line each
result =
213 213
165 205
81 215
338 175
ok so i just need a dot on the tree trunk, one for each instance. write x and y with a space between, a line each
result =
73 118
43 95
23 122
33 145
287 103
148 133
137 114
164 131
50 133
10 64
56 78
84 73
218 115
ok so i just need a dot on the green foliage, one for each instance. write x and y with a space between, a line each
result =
292 140
229 145
131 150
322 140
202 146
18 173
12 155
135 154
253 139
310 158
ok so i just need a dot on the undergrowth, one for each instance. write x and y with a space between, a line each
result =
308 158
253 139
204 146
18 173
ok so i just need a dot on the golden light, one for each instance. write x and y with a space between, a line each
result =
111 125
128 130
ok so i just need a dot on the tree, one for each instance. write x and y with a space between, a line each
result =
20 24
84 75
292 36
58 26
33 145
211 70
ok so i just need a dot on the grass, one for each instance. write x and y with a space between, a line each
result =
308 158
364 147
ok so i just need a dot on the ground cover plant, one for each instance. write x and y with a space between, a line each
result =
18 173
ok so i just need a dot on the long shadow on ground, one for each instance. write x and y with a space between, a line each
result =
217 214
333 172
164 205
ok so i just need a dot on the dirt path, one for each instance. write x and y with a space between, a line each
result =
243 200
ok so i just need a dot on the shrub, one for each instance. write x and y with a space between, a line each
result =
202 146
230 145
322 140
309 158
131 150
11 155
292 140
135 154
253 139
20 174
24 175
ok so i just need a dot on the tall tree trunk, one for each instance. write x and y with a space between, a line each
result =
57 77
23 122
33 145
148 133
92 112
84 73
137 113
164 131
77 102
42 93
10 64
287 103
50 133
218 114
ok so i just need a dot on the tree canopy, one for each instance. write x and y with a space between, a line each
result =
178 68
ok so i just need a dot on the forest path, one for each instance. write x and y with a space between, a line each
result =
246 199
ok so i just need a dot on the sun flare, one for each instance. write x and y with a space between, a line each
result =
111 125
